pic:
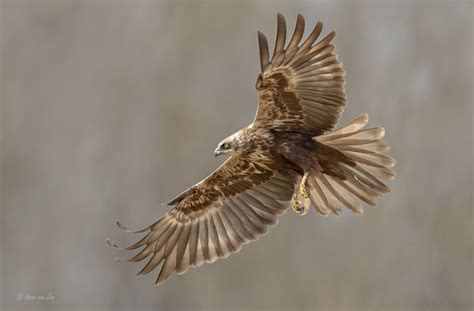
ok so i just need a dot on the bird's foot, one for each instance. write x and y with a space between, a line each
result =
300 201
302 187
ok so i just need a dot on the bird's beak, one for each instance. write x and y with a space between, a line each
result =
217 153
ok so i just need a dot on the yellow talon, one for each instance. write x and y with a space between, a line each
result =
300 201
302 187
298 207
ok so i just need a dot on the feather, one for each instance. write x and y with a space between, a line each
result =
374 147
339 197
124 228
171 243
204 239
193 242
313 56
324 41
237 224
367 199
183 266
265 203
251 215
298 33
333 203
317 203
182 244
234 236
141 242
214 239
263 46
313 36
346 197
263 212
271 191
143 253
152 236
168 267
373 159
223 234
250 229
318 198
280 37
152 263
200 258
373 179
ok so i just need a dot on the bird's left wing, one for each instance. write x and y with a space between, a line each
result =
231 207
301 88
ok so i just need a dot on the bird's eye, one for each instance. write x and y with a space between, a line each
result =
225 145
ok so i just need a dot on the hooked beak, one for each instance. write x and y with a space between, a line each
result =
217 152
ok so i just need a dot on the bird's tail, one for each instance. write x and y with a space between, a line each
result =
356 179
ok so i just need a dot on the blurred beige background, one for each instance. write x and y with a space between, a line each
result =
111 107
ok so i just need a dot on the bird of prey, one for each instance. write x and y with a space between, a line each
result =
290 155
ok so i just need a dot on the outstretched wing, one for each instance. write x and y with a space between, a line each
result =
233 206
302 87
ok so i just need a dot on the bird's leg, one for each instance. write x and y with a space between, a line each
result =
300 201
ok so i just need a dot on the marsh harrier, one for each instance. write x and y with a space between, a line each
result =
289 156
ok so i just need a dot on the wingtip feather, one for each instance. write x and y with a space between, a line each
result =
263 47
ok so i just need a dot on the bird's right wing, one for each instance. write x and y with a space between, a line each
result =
233 206
301 88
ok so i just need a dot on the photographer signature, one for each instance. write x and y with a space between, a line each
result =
26 296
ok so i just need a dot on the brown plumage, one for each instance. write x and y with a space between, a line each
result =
289 150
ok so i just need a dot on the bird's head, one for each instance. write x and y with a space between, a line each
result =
228 146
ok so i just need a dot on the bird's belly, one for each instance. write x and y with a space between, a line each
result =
298 154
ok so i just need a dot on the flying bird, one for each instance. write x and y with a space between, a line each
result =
290 155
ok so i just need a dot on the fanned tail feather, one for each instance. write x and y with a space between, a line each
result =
360 182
